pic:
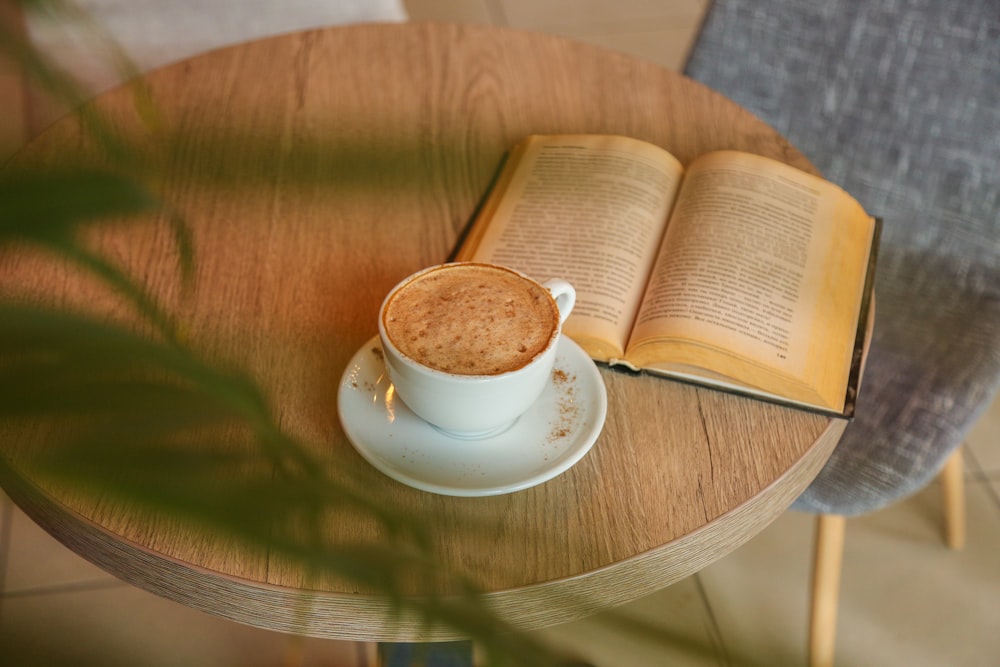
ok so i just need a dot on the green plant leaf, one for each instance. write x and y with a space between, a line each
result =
48 205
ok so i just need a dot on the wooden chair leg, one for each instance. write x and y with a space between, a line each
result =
953 490
370 654
828 557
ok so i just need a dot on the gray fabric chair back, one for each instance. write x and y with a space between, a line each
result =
897 101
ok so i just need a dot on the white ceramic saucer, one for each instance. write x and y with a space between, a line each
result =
546 441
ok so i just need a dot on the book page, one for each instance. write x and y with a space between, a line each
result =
761 262
589 209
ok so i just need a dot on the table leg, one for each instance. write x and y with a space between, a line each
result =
426 654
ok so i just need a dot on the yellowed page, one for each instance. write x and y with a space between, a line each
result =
589 209
761 262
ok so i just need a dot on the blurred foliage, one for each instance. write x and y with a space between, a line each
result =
144 419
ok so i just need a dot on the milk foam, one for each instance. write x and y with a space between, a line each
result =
471 319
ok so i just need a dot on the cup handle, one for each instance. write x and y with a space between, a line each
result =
564 295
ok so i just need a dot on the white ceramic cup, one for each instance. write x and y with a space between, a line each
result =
473 406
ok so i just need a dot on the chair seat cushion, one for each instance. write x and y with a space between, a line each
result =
898 101
933 368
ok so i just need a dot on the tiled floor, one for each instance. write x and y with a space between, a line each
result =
661 31
905 600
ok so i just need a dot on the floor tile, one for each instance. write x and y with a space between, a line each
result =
994 485
664 44
758 594
671 627
38 562
905 598
13 123
659 32
984 439
466 11
129 627
6 517
976 472
931 605
618 13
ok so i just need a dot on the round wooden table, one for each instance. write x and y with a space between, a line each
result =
359 154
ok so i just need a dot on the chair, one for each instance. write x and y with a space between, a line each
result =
898 101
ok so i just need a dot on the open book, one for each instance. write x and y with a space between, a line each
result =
738 272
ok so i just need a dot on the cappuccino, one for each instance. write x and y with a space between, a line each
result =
471 319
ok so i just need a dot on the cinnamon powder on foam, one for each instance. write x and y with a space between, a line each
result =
471 320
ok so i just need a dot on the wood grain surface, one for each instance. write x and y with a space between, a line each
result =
317 170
